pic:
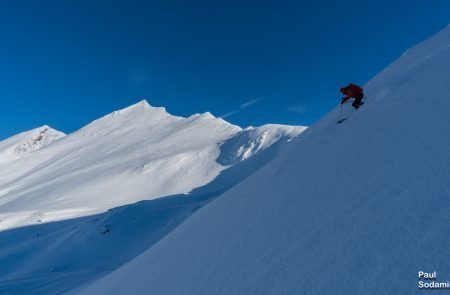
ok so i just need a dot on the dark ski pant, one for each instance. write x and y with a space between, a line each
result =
357 102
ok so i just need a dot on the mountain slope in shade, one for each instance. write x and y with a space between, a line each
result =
354 208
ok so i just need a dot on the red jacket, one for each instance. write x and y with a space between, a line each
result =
351 91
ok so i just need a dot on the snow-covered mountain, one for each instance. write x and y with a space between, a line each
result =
28 142
138 153
354 208
147 169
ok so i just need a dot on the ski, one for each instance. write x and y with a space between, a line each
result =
342 120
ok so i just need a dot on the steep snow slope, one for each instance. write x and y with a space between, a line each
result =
252 140
134 154
51 258
354 208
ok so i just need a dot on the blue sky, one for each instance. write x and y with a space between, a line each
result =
66 63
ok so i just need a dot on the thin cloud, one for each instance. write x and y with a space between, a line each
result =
250 103
230 113
299 109
242 106
140 77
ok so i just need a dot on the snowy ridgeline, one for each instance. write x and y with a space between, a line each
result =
54 190
138 153
360 207
27 142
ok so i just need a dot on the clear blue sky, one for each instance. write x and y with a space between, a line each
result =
66 63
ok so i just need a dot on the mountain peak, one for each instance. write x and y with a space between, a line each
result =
202 116
28 141
142 105
134 115
209 119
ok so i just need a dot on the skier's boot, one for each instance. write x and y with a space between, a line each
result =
355 105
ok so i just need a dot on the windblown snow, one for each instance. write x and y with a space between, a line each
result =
354 208
149 170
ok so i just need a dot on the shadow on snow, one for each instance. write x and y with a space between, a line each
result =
58 257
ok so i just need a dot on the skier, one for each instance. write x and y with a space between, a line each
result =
353 91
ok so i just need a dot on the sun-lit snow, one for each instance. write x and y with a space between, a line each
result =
138 153
354 208
147 169
28 142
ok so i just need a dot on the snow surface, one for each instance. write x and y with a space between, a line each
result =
148 169
352 208
28 142
138 153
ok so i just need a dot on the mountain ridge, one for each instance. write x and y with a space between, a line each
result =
28 141
105 193
138 143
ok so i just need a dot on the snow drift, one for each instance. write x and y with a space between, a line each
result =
355 208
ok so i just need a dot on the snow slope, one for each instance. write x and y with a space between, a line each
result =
138 153
355 208
171 165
